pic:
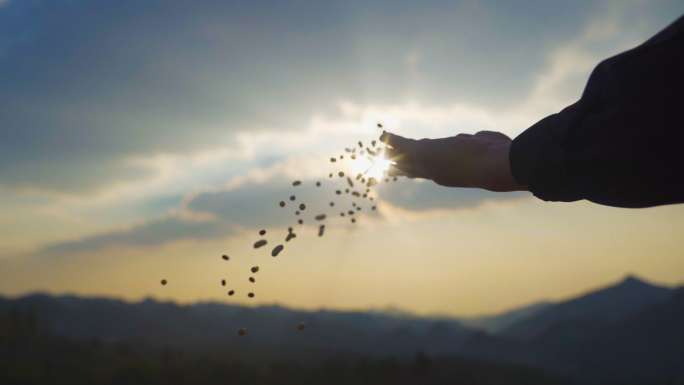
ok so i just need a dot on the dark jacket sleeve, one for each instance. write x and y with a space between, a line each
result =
622 143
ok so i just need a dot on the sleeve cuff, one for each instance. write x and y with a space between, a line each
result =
535 153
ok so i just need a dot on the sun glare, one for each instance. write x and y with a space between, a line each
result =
371 168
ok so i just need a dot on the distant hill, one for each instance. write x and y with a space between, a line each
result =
631 332
645 346
608 304
168 324
498 322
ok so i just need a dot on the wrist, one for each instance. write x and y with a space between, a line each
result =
496 172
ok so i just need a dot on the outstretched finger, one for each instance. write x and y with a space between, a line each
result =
393 154
398 142
407 170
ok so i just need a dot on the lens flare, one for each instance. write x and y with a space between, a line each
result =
371 168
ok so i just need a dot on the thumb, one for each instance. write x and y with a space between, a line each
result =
398 142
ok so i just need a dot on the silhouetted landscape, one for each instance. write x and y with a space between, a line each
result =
631 333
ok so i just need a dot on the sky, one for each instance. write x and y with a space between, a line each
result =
141 141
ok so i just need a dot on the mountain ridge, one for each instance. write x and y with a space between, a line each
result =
609 303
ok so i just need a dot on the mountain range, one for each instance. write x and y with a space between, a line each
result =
629 330
608 304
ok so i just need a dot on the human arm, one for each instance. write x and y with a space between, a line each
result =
480 160
621 144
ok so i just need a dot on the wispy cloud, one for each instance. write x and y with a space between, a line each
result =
153 233
249 198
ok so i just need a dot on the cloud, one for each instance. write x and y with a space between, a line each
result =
90 85
152 233
62 215
251 201
418 196
129 116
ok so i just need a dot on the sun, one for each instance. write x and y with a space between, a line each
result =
371 167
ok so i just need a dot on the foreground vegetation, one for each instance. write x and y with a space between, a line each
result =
29 355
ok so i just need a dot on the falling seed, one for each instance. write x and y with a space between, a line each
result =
297 212
358 176
367 190
242 332
332 204
330 175
289 229
351 184
354 204
320 217
290 236
338 192
365 195
223 282
277 250
395 178
225 257
341 157
296 183
255 269
302 206
251 279
333 160
361 152
353 220
262 232
356 194
379 125
346 191
292 197
260 243
373 143
231 292
341 174
341 214
282 204
386 180
371 152
360 144
353 156
163 282
301 221
301 326
250 295
373 208
347 150
363 180
321 229
358 208
371 198
350 212
372 182
318 184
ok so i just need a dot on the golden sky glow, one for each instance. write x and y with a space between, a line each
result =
131 156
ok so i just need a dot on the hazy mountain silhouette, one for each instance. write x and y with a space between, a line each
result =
645 346
631 331
167 324
496 323
608 304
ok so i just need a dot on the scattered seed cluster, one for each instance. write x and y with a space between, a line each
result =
360 198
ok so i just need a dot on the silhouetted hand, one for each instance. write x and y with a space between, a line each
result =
464 160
